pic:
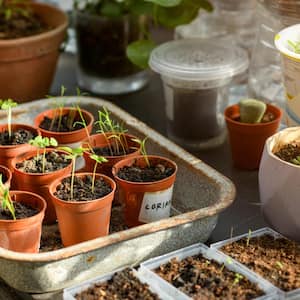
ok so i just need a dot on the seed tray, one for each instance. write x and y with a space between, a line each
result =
200 194
292 295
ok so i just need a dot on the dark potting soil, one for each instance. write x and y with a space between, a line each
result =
205 279
20 25
112 151
277 260
18 137
22 211
64 125
123 285
289 153
82 189
53 161
267 117
148 174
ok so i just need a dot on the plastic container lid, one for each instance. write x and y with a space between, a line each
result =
202 60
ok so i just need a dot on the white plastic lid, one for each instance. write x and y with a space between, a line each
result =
202 60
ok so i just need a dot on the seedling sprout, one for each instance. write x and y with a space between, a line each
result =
249 237
6 201
98 160
143 149
8 105
295 46
237 278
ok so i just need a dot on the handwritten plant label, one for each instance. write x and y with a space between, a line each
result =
156 206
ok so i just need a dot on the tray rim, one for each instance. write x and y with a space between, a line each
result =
226 187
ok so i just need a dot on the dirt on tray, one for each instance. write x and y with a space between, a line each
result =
18 137
123 285
277 260
205 279
64 124
22 211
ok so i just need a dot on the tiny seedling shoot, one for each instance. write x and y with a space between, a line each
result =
98 160
42 143
249 237
142 144
6 201
7 105
295 46
237 278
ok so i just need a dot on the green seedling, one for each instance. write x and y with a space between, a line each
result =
229 261
11 8
98 160
252 110
279 265
42 143
6 201
249 237
295 46
82 121
142 144
73 154
7 105
237 278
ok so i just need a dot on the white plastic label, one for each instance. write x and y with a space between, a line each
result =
156 206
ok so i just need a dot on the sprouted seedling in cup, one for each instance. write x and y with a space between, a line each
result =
295 46
8 105
6 201
42 143
98 160
142 144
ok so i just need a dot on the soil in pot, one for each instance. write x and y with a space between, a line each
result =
20 136
112 151
22 211
201 278
289 153
82 190
123 285
53 161
267 117
277 260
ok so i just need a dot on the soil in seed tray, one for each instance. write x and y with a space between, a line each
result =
289 153
18 137
22 211
277 260
123 285
111 151
205 279
63 125
82 190
53 161
147 174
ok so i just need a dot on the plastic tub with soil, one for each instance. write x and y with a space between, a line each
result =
197 272
269 255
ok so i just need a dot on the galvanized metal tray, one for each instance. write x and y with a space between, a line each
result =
200 194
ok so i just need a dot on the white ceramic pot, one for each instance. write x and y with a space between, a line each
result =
279 186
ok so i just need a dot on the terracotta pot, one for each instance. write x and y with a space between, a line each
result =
8 153
99 140
72 139
279 186
145 202
23 235
6 173
247 140
81 221
29 63
39 182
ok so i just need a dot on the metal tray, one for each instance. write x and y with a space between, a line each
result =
200 194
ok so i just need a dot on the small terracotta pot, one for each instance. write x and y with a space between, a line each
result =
23 235
8 153
81 221
7 174
247 140
29 63
72 139
99 140
145 202
39 182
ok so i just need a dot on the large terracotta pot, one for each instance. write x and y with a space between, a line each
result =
247 140
27 65
38 182
23 235
279 186
81 221
145 202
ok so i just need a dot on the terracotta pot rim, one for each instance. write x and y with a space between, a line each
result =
57 181
68 133
31 154
115 169
43 35
8 172
28 218
253 125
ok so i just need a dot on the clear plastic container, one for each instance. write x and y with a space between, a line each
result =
148 274
196 76
292 295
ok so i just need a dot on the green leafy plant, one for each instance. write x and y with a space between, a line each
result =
167 13
98 160
143 150
42 143
295 46
11 8
6 202
7 105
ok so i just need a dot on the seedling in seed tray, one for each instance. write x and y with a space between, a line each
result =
98 160
42 143
142 144
6 201
248 237
237 278
279 265
8 105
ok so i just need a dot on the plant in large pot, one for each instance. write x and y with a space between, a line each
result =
30 36
114 42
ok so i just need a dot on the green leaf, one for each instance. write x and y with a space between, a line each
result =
111 9
165 3
139 52
141 8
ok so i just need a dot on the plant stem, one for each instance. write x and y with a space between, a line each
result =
44 160
94 176
9 123
72 177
